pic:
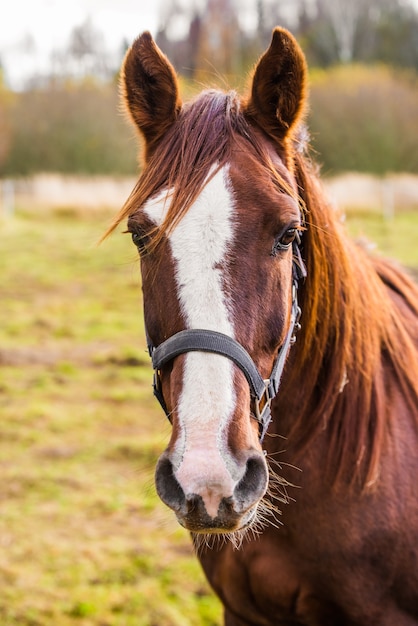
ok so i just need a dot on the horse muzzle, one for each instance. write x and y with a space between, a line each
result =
210 503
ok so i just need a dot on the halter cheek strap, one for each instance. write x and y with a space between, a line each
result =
202 340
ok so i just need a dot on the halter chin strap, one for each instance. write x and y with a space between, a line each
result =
202 340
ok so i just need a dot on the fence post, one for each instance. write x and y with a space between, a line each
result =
7 198
388 199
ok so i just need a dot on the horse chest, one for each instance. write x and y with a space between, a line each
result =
311 578
263 585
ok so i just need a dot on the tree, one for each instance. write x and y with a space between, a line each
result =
219 38
179 34
87 52
5 127
344 18
210 41
396 39
341 31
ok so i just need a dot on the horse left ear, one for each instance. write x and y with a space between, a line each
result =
278 95
150 90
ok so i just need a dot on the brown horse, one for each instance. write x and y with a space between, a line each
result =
226 208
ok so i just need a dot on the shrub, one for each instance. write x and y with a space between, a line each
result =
70 129
365 118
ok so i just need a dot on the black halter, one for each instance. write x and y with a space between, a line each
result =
203 340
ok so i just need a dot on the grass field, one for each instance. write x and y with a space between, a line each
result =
83 538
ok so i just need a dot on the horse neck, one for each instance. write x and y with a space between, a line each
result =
341 290
334 381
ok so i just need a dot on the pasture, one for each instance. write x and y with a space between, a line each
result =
83 538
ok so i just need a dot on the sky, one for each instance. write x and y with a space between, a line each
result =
30 29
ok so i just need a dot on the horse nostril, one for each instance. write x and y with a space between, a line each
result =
168 488
193 502
253 484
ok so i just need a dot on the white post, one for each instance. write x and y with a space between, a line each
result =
388 199
7 198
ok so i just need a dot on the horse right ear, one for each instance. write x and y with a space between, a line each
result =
150 90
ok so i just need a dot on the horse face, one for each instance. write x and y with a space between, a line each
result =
221 268
226 265
213 471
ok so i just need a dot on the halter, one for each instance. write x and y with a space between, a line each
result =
202 340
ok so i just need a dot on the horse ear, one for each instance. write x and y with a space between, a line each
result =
278 94
150 90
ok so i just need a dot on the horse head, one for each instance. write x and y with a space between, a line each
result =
215 217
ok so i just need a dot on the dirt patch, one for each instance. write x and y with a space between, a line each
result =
92 354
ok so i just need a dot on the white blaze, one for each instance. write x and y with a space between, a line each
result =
199 245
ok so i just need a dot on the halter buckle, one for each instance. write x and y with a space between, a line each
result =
158 393
262 407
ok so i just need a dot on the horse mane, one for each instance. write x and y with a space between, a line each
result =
358 311
359 338
197 145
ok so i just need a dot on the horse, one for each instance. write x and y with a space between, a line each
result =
285 355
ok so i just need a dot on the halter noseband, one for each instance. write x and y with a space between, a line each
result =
202 340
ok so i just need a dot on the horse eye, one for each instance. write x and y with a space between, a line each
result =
140 240
285 240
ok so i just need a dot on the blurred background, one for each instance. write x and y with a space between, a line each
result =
59 70
83 537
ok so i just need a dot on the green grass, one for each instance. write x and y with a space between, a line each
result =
396 237
84 539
